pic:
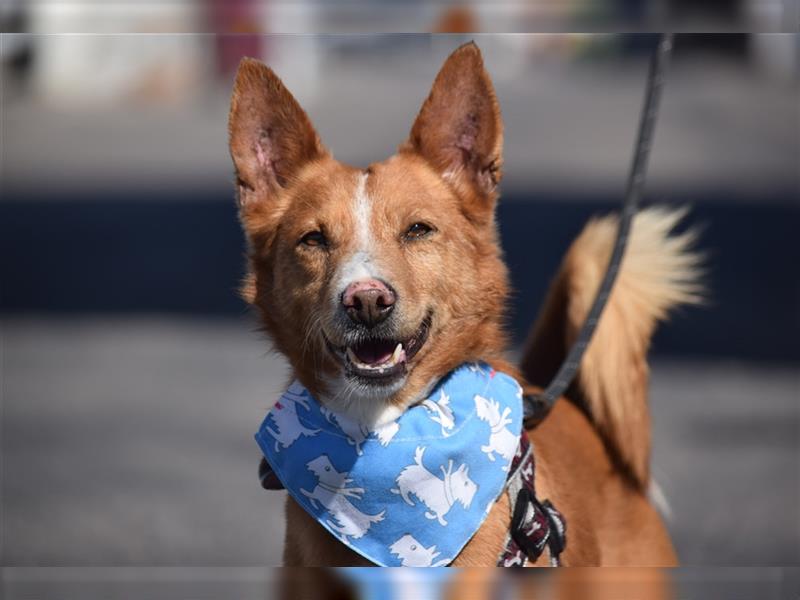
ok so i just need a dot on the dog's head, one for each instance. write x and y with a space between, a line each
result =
487 410
412 553
374 282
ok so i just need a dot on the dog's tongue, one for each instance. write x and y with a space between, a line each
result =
374 352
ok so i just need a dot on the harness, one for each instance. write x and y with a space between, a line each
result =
536 525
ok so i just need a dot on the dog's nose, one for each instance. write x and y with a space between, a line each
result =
368 301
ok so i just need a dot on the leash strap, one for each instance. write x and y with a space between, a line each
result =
538 406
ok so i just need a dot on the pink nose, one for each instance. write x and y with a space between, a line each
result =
368 301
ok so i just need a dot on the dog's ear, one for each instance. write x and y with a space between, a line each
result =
270 135
459 130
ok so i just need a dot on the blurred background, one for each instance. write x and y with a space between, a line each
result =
133 378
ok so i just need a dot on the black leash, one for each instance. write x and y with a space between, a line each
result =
538 406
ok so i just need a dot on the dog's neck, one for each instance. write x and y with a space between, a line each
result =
499 426
373 410
331 488
370 411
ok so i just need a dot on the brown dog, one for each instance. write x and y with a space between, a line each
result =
408 250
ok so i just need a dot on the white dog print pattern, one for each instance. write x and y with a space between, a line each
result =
413 554
410 492
440 412
332 494
285 419
438 495
502 440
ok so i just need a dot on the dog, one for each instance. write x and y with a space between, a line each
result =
376 282
501 440
332 493
431 491
440 412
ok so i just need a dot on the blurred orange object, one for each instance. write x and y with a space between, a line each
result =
456 19
238 27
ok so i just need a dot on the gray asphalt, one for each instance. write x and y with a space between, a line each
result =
129 443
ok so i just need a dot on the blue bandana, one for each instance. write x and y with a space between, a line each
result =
414 491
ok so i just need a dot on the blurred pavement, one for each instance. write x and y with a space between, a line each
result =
128 442
570 123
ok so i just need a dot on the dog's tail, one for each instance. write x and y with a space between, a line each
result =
658 272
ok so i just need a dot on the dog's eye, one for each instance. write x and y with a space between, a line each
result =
417 231
413 547
327 468
314 238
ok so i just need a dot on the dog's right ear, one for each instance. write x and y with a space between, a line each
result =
271 137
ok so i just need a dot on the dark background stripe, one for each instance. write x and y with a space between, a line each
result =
185 255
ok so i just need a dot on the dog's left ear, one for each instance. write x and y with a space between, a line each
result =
459 130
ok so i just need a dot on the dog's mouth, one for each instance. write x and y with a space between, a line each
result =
380 360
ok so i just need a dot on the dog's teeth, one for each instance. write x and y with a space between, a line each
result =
396 353
395 358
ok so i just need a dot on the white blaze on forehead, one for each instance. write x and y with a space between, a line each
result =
362 210
360 264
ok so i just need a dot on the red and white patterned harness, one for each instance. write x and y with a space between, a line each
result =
535 524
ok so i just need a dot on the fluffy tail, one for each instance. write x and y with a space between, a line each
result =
658 273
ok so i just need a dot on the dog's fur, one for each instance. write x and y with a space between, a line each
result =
593 450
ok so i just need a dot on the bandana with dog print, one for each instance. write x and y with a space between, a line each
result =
411 492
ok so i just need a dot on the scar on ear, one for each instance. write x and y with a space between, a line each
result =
469 133
267 155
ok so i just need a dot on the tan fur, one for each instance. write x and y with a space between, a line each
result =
658 273
591 463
